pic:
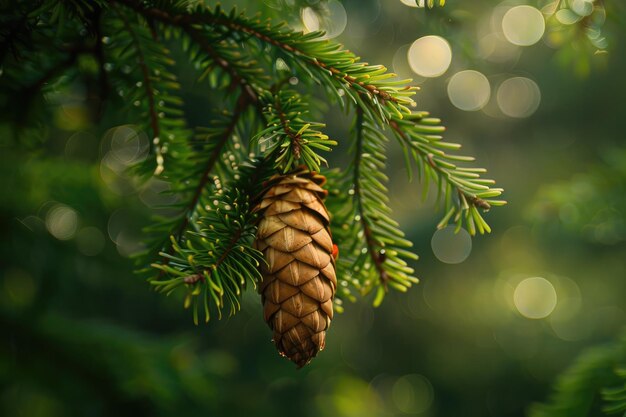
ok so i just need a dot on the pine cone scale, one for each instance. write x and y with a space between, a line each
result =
299 280
298 220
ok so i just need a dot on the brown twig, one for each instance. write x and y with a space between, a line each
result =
472 199
186 21
372 246
295 138
147 82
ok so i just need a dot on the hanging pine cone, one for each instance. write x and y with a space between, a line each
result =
299 279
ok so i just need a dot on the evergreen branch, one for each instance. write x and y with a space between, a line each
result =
243 101
155 145
595 375
376 257
376 97
615 396
307 50
216 261
212 143
236 74
463 190
288 138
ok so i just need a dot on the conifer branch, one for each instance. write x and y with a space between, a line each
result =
372 249
385 99
376 256
290 139
307 50
236 72
462 189
219 256
243 101
155 146
212 230
593 385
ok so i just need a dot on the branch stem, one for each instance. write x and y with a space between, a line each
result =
376 257
185 20
147 82
428 157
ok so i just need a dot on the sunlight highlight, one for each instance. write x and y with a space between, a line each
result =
518 97
469 90
535 298
430 56
523 25
450 247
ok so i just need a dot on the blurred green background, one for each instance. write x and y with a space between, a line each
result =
492 322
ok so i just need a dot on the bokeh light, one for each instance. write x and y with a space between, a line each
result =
90 241
412 394
401 67
430 56
62 222
518 97
333 24
127 145
450 247
523 25
535 298
348 396
156 193
582 7
495 48
469 90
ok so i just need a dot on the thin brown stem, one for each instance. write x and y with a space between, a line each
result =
476 201
199 277
243 102
372 246
295 138
185 21
147 83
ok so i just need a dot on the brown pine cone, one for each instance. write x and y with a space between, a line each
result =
299 280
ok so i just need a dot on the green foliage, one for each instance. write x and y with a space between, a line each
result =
219 254
594 385
615 396
375 256
263 74
289 139
577 26
463 192
590 204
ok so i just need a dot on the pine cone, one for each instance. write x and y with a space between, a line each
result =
299 280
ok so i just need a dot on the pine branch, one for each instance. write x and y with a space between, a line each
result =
211 233
243 101
241 74
462 189
216 262
615 396
288 138
155 146
329 59
373 94
375 255
372 247
384 242
595 375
